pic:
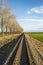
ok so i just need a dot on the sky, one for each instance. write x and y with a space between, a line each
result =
29 14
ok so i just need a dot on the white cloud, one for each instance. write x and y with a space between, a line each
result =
30 20
38 10
31 24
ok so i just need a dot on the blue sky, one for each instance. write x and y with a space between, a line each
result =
29 14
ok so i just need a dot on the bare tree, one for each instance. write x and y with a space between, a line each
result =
1 16
6 22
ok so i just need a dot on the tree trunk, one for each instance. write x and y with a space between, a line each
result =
6 29
2 25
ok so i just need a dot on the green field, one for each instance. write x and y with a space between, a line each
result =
38 36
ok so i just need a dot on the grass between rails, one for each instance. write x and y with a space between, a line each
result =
38 36
6 38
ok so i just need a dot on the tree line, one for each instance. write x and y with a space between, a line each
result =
8 21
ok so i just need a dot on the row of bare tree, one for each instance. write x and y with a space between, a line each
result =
8 21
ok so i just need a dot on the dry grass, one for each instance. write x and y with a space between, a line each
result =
7 38
36 48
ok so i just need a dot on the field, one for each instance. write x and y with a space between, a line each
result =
26 47
38 36
35 41
5 38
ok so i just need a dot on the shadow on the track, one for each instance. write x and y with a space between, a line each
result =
24 56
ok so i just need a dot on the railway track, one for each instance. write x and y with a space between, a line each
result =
35 57
6 52
30 57
21 57
20 52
